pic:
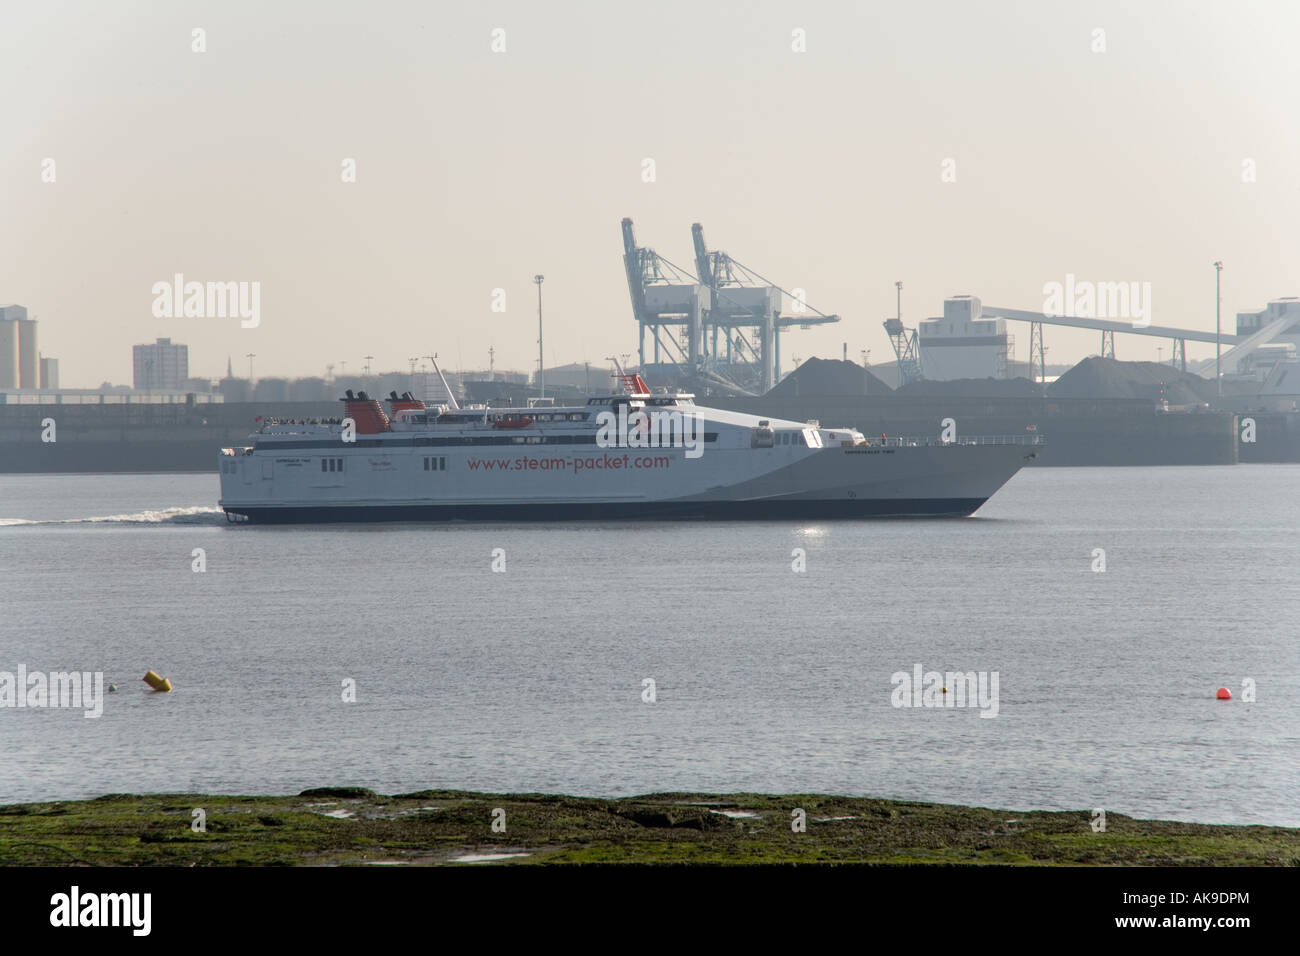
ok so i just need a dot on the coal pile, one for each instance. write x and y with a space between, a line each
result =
829 377
976 388
1108 378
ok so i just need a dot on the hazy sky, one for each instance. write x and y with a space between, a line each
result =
476 169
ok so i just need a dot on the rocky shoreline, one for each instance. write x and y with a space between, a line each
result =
351 826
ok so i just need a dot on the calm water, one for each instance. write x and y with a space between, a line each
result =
768 680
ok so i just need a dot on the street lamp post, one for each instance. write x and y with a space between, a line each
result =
541 354
1218 304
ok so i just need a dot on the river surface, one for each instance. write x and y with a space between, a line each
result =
765 678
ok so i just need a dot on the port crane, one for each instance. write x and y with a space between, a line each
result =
729 316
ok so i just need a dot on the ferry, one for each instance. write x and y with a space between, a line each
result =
630 454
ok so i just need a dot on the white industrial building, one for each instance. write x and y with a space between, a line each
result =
963 344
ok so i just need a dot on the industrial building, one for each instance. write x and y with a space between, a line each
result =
1271 365
20 357
963 344
1248 323
970 341
582 376
8 351
163 365
49 373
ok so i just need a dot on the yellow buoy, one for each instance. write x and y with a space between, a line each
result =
158 683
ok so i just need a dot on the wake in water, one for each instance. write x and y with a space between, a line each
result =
186 516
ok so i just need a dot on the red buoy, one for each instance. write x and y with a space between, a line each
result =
1224 694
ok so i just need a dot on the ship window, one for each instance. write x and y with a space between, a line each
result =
442 464
323 462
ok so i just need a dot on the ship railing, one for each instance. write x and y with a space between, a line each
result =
915 441
312 426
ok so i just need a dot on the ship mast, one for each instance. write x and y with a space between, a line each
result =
450 397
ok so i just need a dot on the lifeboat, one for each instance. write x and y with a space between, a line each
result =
512 421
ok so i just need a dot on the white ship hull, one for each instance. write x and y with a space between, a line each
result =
560 473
